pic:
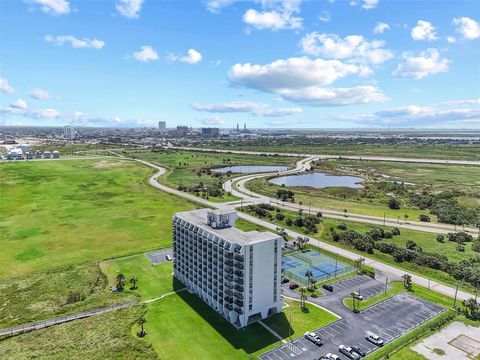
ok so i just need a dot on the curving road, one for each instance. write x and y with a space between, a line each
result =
388 270
237 187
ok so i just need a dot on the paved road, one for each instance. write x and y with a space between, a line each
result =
238 188
389 270
348 157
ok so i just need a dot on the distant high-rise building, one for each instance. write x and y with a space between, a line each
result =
162 126
211 132
245 127
68 132
238 127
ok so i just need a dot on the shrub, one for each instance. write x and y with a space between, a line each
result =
440 238
342 226
289 222
424 218
476 246
279 216
395 231
394 204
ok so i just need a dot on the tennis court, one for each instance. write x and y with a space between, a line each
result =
321 266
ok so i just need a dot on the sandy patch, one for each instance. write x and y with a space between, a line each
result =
107 164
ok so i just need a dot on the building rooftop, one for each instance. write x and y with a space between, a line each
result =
231 234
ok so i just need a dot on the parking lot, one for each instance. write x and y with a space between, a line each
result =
159 256
390 319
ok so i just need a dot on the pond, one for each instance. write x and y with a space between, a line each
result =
319 181
247 169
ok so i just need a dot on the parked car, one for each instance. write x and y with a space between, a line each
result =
348 352
328 287
294 286
359 351
313 338
331 356
168 257
285 281
374 338
357 295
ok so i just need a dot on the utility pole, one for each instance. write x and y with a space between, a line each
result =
455 298
428 283
384 218
386 285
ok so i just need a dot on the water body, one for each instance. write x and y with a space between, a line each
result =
319 181
246 169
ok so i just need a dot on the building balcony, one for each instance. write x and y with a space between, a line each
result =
239 303
239 288
239 258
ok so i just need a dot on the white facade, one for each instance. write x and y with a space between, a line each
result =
237 273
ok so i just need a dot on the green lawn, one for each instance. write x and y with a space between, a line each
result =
65 212
296 321
184 166
105 337
153 280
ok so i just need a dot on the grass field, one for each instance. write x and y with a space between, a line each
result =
373 199
105 337
65 212
64 290
431 151
185 166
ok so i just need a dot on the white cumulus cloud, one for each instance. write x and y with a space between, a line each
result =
40 94
192 57
427 63
129 8
256 109
317 96
52 7
212 120
381 27
325 16
77 43
366 4
275 15
354 47
5 87
19 104
467 27
290 73
423 31
145 54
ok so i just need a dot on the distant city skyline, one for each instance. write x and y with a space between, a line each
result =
329 64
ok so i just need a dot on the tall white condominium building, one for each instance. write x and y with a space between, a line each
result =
162 126
68 132
237 273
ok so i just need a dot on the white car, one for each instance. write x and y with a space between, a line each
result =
313 338
357 295
348 352
374 338
331 356
168 257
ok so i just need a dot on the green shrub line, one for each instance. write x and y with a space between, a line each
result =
431 326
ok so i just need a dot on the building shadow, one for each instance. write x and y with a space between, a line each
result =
250 339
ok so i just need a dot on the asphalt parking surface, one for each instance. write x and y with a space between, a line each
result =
390 319
159 256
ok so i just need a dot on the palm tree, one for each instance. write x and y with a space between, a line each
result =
303 297
308 275
407 281
345 212
120 282
141 321
133 281
405 217
359 262
313 282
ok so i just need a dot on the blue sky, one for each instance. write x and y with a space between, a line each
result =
267 63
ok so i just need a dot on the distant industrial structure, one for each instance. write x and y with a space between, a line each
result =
237 273
210 132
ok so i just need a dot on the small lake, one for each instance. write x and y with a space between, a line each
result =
319 181
246 169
